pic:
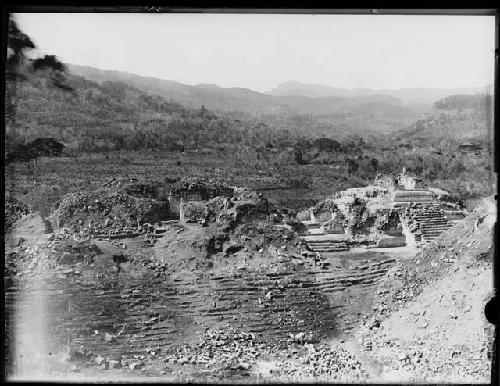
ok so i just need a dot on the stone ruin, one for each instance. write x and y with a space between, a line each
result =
393 212
408 181
188 198
205 202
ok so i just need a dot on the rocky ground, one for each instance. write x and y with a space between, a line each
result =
245 305
439 336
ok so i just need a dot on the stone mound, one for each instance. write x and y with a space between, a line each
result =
105 211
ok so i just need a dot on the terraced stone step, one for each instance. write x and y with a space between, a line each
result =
327 245
435 225
437 216
318 242
416 192
330 287
328 250
332 245
432 234
433 230
353 273
430 237
408 200
315 247
169 222
440 228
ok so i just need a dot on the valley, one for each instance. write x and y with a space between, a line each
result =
157 231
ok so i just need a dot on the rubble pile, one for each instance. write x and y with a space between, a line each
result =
321 362
428 359
469 244
194 211
105 211
263 235
388 221
440 334
447 198
71 252
25 260
229 210
471 241
220 350
133 187
14 210
250 206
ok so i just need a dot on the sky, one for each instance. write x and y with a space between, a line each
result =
260 51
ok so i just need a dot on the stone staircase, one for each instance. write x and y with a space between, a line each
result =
425 214
432 225
312 228
326 243
406 196
426 221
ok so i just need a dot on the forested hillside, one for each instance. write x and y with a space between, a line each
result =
361 114
113 116
457 116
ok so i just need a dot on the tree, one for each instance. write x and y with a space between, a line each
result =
18 43
48 62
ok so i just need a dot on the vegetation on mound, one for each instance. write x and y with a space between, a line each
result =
205 188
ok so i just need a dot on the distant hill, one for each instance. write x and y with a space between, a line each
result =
408 95
370 105
210 96
333 114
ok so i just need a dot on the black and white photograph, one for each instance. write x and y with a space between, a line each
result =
258 196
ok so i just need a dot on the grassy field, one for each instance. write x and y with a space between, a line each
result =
293 186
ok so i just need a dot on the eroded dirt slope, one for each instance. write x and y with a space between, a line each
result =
433 328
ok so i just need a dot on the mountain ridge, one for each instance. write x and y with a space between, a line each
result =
410 94
385 108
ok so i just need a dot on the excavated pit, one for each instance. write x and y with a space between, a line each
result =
140 306
247 269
